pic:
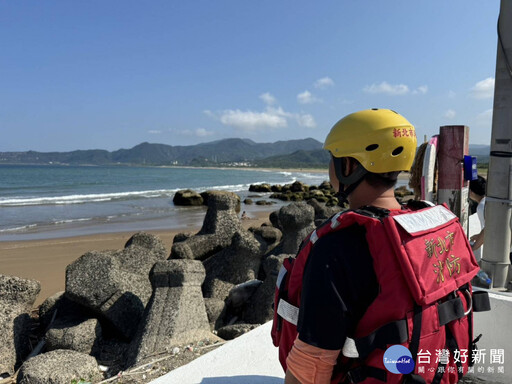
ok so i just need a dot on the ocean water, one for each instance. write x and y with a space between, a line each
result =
38 202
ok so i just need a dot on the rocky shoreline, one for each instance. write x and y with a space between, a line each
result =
138 312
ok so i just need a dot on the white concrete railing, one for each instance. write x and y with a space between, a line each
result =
496 329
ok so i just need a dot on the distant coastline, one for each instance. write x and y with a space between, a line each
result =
306 153
302 154
223 167
263 169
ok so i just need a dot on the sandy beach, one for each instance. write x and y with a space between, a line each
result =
46 260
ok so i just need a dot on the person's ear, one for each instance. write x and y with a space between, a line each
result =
348 166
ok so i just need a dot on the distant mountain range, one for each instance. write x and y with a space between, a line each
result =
227 152
303 153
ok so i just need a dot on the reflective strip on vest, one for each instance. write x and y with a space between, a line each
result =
280 277
424 220
314 237
350 349
334 220
291 314
288 312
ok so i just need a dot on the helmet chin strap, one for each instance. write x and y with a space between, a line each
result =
351 181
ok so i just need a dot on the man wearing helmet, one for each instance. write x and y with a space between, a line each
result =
372 145
369 149
378 286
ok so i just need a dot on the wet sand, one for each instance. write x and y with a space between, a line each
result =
46 260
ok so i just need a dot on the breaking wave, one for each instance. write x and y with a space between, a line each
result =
108 197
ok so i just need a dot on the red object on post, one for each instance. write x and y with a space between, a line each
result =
452 188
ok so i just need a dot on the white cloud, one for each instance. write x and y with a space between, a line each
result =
307 98
268 98
270 118
251 121
450 114
154 132
422 89
279 111
483 89
386 88
451 94
324 82
306 120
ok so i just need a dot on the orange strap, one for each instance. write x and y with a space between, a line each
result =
311 365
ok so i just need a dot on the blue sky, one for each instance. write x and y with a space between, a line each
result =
112 74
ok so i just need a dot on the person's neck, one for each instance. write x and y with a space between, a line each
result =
365 195
473 196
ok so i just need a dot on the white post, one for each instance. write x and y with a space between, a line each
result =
495 260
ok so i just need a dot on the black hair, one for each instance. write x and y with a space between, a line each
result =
478 186
379 180
382 180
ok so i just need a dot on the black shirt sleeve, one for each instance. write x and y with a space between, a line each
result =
339 284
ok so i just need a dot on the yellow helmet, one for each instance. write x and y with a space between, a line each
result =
380 139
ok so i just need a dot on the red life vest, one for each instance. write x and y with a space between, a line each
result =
424 265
